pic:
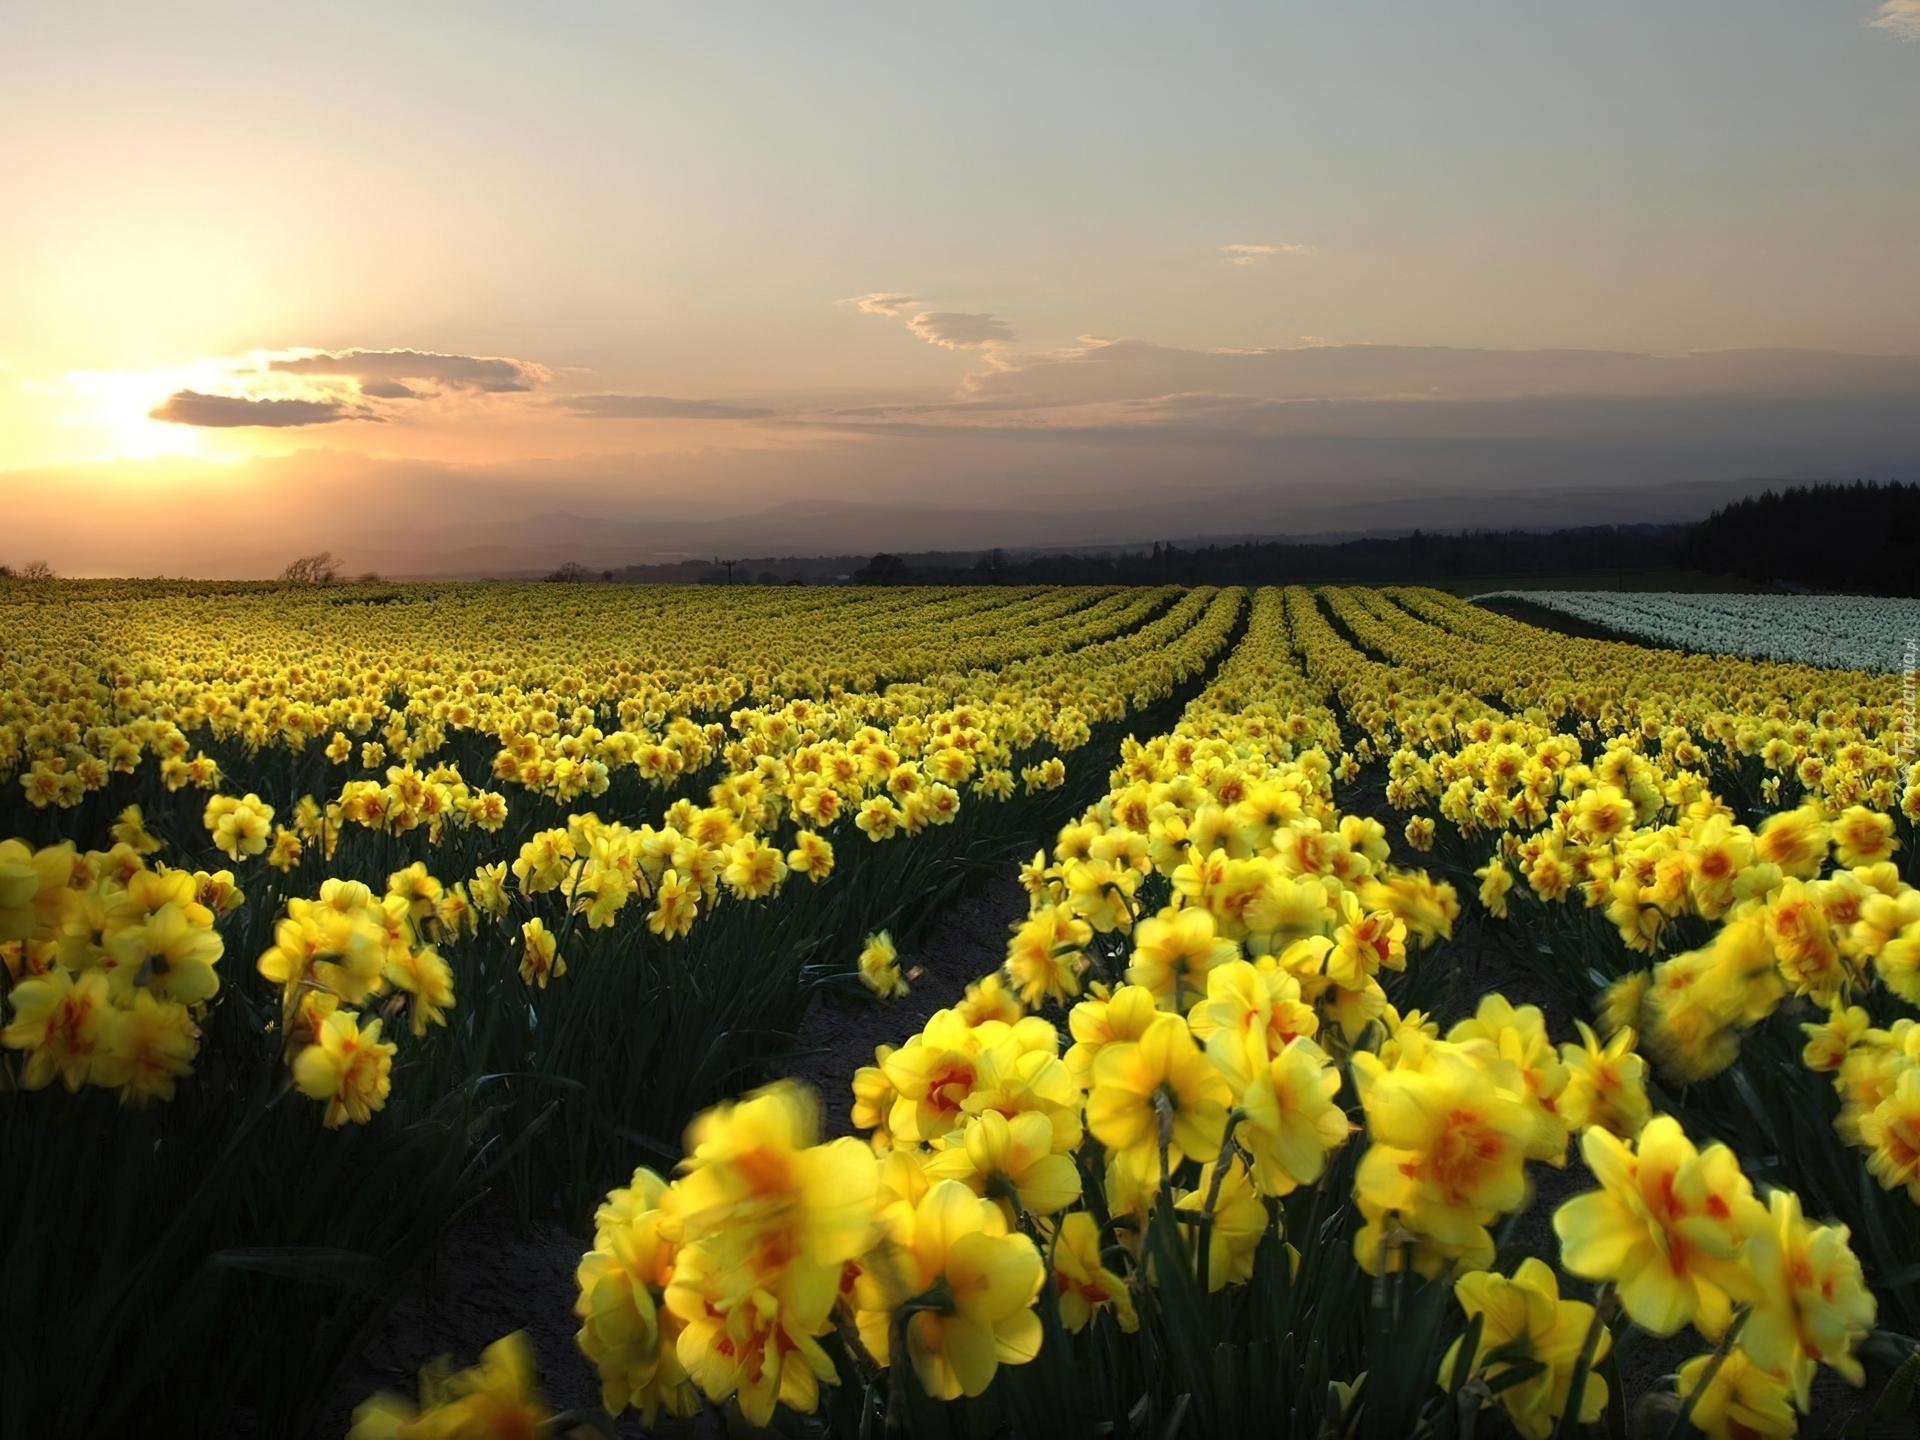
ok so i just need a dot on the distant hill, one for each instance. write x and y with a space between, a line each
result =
1422 555
1859 537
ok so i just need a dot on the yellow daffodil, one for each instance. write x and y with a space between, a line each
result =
497 1398
1010 1161
151 1043
1046 955
62 1021
347 1066
540 958
1668 1225
1174 953
1449 1147
965 1288
879 967
1084 1283
1240 1221
1742 1400
1606 1085
1253 1002
1158 1094
1292 1122
1100 1022
1814 1306
1525 1319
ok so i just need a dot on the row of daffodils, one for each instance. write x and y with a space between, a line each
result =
109 680
1844 631
113 954
1247 1187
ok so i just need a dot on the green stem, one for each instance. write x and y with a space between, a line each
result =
937 1296
1720 1353
1583 1367
1220 1164
1163 1115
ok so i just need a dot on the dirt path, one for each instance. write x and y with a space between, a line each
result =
487 1281
842 1029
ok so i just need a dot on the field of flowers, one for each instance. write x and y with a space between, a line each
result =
1839 631
330 910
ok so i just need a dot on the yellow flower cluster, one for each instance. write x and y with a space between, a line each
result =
1432 664
408 801
348 948
1678 1231
1804 907
111 964
1808 903
722 1282
499 1397
1665 720
1681 1233
790 769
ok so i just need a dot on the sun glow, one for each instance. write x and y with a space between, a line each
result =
117 406
115 403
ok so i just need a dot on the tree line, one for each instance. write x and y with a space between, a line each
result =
1423 555
1862 537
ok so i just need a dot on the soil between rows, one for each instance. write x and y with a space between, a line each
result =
487 1281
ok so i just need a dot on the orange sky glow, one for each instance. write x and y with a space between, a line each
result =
1097 274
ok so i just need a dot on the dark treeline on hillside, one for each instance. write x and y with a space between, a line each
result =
1862 537
1589 550
761 570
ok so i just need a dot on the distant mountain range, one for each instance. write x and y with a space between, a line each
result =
540 543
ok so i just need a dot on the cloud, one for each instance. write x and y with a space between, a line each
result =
1137 370
1254 254
950 329
1899 18
881 303
484 374
653 407
190 407
957 330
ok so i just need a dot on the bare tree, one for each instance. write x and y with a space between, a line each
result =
994 561
318 569
36 570
571 573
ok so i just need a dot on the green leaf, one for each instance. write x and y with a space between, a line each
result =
1464 1357
1896 1279
1897 1397
1182 1307
1514 1375
350 1270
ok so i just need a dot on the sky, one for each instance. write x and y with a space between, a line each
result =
389 278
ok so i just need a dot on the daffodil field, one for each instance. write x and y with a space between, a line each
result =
1867 633
329 911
